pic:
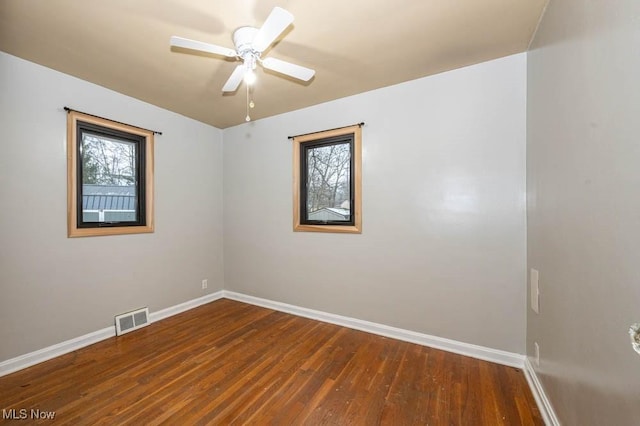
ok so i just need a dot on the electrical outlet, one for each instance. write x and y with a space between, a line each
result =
205 283
536 354
535 291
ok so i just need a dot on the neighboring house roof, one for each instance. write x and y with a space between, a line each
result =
330 213
341 211
108 197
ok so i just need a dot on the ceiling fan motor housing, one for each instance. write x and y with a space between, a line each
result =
243 40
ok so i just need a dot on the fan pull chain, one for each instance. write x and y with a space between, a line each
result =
247 118
250 103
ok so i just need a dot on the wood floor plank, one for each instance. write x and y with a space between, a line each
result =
232 363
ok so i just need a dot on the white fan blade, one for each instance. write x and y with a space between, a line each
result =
276 22
235 79
292 70
202 47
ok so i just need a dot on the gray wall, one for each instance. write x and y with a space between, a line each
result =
584 211
53 288
443 244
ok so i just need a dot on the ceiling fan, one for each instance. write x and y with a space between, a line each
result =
250 42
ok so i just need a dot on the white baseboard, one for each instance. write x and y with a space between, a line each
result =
27 360
467 349
182 307
546 409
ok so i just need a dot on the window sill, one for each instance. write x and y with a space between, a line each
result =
327 228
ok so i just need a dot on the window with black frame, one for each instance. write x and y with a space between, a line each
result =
327 193
110 176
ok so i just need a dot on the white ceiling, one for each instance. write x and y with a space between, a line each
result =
354 46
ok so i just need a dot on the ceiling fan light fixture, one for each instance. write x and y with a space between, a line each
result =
250 77
250 66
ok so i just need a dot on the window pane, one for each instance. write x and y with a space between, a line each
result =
329 182
109 179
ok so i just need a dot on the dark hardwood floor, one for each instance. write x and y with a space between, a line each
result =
232 363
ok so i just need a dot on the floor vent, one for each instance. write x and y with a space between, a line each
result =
132 321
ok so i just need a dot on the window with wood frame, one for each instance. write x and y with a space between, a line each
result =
327 182
109 177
